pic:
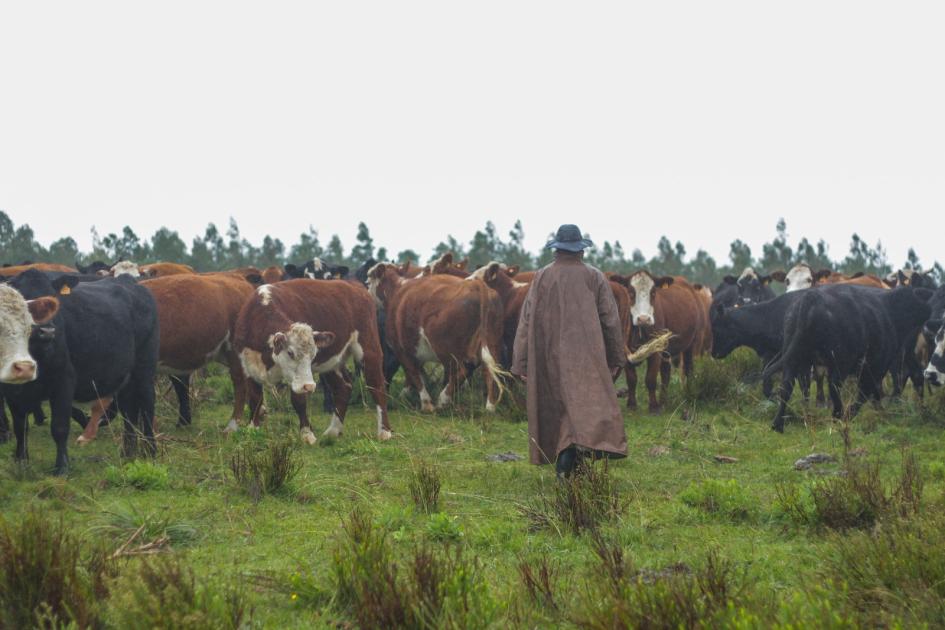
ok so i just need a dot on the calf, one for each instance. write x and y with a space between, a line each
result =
665 303
287 330
852 331
105 344
441 318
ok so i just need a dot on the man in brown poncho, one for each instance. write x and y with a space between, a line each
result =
568 345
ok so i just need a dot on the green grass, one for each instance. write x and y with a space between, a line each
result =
679 506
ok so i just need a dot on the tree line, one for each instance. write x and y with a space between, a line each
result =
217 250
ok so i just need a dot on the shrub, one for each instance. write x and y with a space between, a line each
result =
163 593
265 467
425 486
586 500
710 381
443 527
48 576
723 498
124 524
621 596
856 499
139 474
893 575
539 581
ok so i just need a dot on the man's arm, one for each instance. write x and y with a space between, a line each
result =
614 343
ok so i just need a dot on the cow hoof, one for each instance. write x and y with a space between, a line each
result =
383 435
490 407
427 407
332 432
308 437
231 427
655 410
83 441
778 426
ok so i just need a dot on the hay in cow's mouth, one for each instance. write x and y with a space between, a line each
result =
658 343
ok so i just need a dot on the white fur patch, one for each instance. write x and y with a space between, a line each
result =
748 274
126 267
333 363
254 367
382 433
308 437
265 294
642 307
425 353
443 400
232 426
798 278
335 428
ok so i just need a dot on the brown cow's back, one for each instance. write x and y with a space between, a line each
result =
164 269
16 270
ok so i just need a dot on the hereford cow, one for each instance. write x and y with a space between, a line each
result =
502 279
105 344
441 318
801 276
289 329
665 303
163 269
852 331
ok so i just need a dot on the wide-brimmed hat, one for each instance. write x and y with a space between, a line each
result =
569 238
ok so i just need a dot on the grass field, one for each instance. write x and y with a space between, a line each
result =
681 539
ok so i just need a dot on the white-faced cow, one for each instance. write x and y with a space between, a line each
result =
288 330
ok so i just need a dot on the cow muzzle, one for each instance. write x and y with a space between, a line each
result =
933 376
307 388
643 320
22 372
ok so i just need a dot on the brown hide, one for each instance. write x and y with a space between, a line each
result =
865 280
9 272
197 315
459 319
164 269
273 274
326 306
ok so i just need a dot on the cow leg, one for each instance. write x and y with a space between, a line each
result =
767 387
375 378
686 365
143 384
631 372
819 373
328 402
60 405
79 417
99 406
181 385
415 381
453 375
239 390
341 392
666 372
652 372
787 387
254 392
4 422
300 404
803 379
19 431
834 384
39 418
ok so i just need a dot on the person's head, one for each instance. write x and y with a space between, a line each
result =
569 239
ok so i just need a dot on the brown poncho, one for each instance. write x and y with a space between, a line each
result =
569 340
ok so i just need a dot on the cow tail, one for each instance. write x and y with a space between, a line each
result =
794 330
487 320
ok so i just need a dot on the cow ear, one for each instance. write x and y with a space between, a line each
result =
823 273
779 276
63 285
697 286
43 309
511 270
377 271
404 267
730 280
890 283
341 271
932 327
255 279
491 273
291 270
664 281
765 280
323 339
461 265
279 342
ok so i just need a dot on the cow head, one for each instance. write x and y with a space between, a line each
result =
642 287
383 280
17 318
935 372
800 277
724 332
752 288
126 267
293 353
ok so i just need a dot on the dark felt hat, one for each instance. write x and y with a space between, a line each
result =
570 239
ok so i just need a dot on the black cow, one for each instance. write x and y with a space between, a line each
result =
105 344
934 332
317 269
748 288
850 330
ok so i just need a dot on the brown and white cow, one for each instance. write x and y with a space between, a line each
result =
15 270
801 276
442 318
291 329
664 303
502 279
163 269
196 314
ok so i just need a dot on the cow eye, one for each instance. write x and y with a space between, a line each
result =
291 355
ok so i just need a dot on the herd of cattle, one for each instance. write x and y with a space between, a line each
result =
101 334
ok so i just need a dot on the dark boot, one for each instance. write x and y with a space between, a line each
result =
567 460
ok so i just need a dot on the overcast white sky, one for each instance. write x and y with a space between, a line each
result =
704 121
